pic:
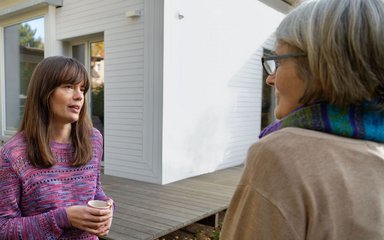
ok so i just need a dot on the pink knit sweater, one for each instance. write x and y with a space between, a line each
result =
33 200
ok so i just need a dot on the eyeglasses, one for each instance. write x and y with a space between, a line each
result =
270 63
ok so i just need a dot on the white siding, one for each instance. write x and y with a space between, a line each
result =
182 95
125 79
212 83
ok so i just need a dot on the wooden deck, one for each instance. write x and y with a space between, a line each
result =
149 211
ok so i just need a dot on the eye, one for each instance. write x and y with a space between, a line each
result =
67 86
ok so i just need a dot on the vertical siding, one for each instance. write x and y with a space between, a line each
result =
124 105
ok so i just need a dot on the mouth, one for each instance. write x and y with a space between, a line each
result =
75 108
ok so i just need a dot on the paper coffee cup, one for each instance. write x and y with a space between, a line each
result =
98 204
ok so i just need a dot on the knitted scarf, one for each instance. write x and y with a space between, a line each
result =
363 121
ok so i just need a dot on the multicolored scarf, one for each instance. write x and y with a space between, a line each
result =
363 121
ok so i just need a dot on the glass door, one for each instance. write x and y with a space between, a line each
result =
97 84
91 54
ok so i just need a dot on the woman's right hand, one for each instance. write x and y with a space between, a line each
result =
92 220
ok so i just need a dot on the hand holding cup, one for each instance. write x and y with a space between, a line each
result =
103 205
99 204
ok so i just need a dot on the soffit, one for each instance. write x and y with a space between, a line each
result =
22 6
290 2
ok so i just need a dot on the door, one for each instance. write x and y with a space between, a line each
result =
91 54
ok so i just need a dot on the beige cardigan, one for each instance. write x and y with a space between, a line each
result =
303 184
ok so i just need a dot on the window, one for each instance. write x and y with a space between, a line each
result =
23 50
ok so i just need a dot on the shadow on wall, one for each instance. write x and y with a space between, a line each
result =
225 131
252 108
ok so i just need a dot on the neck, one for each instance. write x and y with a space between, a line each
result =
61 133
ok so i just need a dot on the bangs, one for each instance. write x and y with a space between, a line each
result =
74 73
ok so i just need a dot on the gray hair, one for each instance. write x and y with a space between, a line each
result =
344 43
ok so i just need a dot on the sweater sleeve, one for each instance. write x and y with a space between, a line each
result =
13 225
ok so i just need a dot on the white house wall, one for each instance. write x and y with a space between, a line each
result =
125 94
182 81
212 82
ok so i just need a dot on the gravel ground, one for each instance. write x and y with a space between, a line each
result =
196 231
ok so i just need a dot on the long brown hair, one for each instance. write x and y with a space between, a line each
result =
49 74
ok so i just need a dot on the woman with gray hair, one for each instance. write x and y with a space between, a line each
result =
318 171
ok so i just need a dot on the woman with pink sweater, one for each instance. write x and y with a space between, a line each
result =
51 168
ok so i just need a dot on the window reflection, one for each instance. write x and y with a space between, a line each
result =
97 79
24 49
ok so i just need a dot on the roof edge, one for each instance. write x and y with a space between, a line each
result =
31 4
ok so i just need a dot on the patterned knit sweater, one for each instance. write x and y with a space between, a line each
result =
33 200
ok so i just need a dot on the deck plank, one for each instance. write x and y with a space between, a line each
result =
148 211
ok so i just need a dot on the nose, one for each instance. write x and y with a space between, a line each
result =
78 94
270 80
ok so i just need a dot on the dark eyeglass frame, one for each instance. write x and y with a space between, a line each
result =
277 57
